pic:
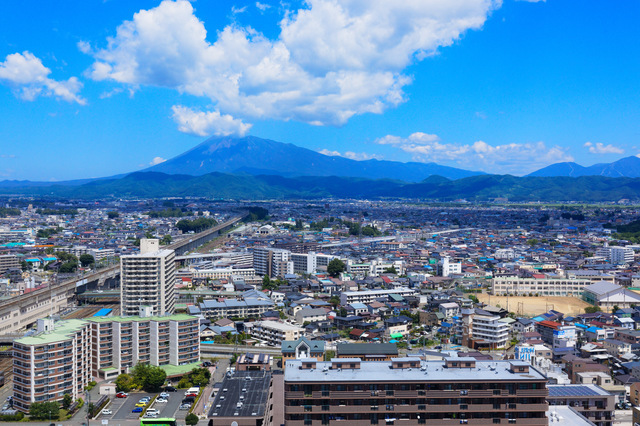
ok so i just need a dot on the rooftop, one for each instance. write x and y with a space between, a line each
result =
485 371
366 349
63 330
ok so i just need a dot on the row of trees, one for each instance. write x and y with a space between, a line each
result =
196 225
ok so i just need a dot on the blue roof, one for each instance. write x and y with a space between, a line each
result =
582 326
103 312
593 329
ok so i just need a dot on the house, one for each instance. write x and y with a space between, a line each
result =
302 348
310 315
449 309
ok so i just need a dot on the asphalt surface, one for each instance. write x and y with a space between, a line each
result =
122 407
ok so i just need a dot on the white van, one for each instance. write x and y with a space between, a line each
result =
194 389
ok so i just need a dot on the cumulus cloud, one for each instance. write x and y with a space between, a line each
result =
262 6
29 78
600 148
358 156
510 158
157 160
208 123
331 60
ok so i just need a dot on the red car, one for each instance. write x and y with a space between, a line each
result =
122 395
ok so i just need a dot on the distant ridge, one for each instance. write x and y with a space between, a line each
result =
256 156
262 187
625 167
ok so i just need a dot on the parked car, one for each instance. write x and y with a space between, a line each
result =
170 389
161 400
137 410
150 415
207 364
145 398
164 395
122 395
141 404
152 411
185 406
107 412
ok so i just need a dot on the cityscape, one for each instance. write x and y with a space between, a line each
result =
319 212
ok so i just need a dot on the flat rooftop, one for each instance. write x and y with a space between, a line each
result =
381 371
576 391
242 394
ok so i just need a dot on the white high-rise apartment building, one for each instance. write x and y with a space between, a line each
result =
148 279
617 255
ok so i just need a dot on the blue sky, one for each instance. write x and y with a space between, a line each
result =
95 88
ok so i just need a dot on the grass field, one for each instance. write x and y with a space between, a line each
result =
530 306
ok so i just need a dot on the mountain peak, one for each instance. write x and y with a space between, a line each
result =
624 167
257 156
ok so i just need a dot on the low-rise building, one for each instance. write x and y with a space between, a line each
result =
273 332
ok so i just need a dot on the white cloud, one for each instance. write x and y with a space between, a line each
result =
600 148
207 123
358 156
29 78
238 10
262 6
157 160
332 60
513 158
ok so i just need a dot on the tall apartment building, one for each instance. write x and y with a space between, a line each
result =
148 279
308 263
63 357
410 391
119 343
272 262
484 331
9 261
52 363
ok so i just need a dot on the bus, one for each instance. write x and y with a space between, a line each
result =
164 421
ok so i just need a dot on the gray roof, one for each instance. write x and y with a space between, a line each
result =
485 371
347 349
601 288
289 346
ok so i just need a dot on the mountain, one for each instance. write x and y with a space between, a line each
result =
625 167
255 156
248 187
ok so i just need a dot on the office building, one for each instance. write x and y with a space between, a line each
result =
272 262
410 391
148 279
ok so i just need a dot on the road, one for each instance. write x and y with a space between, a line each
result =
208 349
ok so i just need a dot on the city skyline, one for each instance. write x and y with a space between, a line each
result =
501 87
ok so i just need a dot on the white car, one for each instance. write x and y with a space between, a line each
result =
107 412
164 395
161 400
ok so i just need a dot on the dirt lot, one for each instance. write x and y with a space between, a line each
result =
530 306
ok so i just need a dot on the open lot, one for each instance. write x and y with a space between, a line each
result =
530 306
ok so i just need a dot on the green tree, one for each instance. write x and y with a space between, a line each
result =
44 410
591 309
532 242
166 240
335 301
199 377
67 400
87 260
113 215
191 419
68 267
149 377
268 283
124 383
391 270
335 267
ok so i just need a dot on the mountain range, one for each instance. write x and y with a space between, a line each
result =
624 167
254 168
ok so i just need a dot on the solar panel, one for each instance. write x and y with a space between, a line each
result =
576 390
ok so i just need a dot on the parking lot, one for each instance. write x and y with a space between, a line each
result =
122 407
